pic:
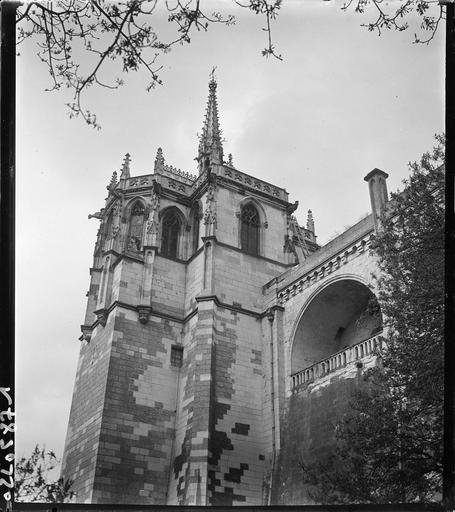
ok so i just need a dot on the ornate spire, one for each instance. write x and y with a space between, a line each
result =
125 174
210 147
310 221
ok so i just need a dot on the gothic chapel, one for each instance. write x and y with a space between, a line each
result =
220 342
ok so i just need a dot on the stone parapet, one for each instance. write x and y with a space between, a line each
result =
328 258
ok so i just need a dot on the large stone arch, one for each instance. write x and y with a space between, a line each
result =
323 368
335 316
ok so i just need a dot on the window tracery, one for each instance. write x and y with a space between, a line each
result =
170 234
250 229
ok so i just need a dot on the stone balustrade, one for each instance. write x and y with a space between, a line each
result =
253 183
348 355
177 174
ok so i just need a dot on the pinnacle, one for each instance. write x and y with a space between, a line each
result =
126 167
113 182
159 161
310 221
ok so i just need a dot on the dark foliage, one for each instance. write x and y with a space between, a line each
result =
389 447
32 480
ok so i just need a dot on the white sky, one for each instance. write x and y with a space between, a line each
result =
342 102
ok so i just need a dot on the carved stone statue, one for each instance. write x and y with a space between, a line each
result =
134 244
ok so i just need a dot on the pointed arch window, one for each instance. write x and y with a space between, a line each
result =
249 231
170 234
136 226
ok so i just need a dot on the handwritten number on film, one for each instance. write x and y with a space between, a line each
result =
7 426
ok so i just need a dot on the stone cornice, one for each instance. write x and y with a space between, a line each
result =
128 256
248 190
193 256
325 268
326 252
231 307
237 249
88 329
254 184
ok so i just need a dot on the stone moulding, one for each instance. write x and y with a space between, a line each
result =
86 333
101 316
140 181
173 172
252 183
327 267
145 312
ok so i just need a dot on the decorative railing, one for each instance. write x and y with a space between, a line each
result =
254 183
140 181
177 174
338 360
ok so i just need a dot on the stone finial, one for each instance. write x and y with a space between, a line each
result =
230 163
310 221
159 161
377 184
113 182
125 174
212 76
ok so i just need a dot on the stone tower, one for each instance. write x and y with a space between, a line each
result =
173 400
220 343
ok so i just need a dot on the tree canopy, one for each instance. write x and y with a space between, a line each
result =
389 446
33 480
103 31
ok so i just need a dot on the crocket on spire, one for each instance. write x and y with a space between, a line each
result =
210 147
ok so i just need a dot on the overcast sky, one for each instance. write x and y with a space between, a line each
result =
342 102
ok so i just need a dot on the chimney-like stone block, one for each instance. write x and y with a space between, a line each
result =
377 184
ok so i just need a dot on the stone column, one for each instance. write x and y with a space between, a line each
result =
100 312
150 247
377 184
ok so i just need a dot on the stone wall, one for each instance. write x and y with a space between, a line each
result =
224 425
236 466
82 439
273 219
307 428
137 428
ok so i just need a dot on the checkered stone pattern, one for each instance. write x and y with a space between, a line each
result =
190 463
207 431
235 473
135 429
82 439
219 438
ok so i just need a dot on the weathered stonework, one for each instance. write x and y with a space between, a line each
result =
207 367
